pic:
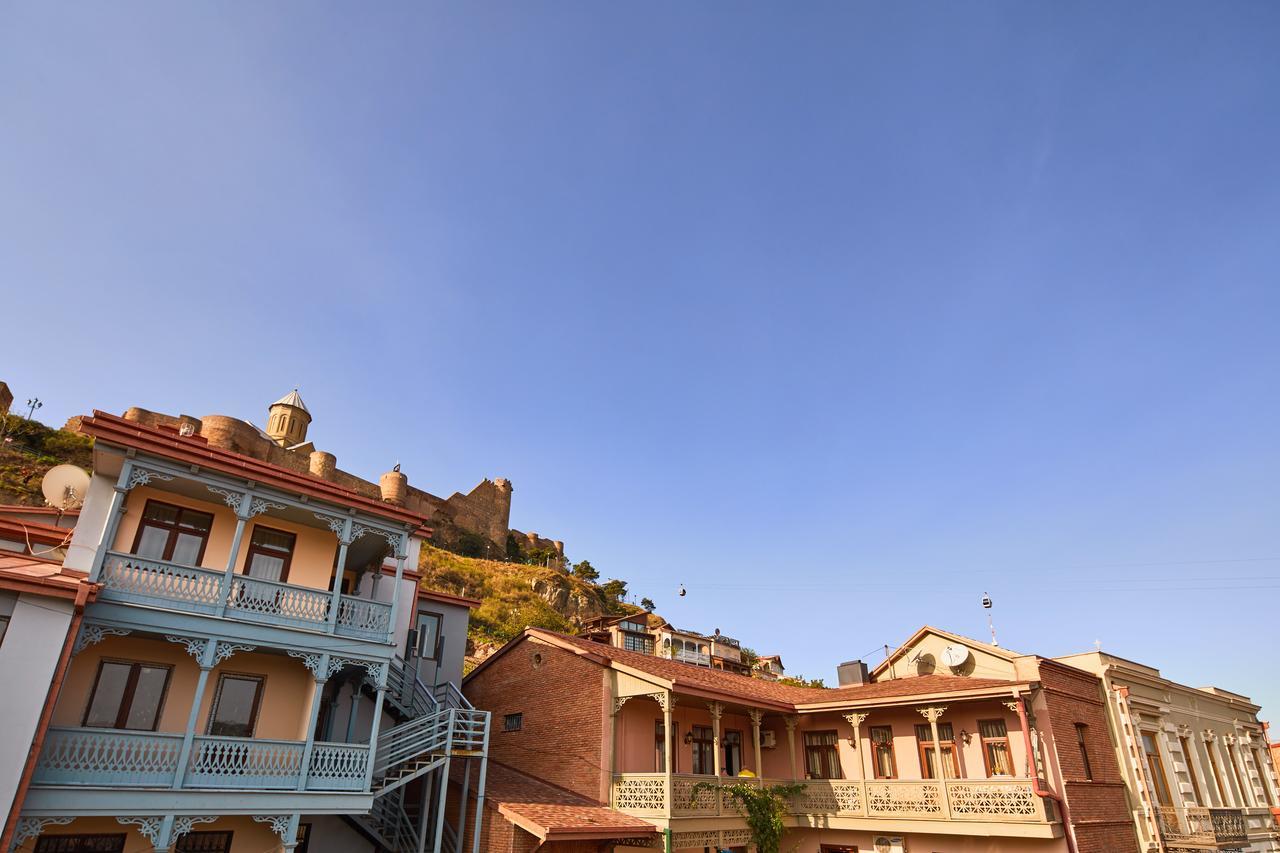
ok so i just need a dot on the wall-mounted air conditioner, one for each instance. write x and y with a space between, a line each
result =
768 740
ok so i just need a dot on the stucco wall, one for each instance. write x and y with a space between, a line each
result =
28 656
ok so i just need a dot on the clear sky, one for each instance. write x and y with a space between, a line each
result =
839 314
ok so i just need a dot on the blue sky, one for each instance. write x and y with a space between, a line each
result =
839 314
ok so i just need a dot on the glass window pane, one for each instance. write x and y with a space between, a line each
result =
147 696
164 513
152 543
186 550
992 728
104 705
195 521
234 706
266 567
998 758
273 540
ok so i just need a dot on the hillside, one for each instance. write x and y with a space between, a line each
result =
515 596
29 450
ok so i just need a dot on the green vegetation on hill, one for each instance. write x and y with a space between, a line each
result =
515 596
28 450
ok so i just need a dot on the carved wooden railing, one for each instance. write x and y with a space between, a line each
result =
110 757
992 800
126 577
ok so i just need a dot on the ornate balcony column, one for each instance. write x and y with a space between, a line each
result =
208 653
792 721
322 667
114 513
402 554
716 710
380 682
933 714
341 528
163 831
757 717
856 719
245 506
283 825
667 700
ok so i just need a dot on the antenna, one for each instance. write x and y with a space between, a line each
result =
64 487
986 604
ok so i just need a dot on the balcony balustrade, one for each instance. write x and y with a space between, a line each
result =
114 758
126 577
688 656
989 800
1195 825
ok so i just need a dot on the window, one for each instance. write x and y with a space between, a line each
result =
660 745
428 635
270 552
883 760
703 751
732 752
172 533
204 842
1081 733
127 695
1156 767
513 722
1185 743
642 643
111 842
1217 774
821 757
235 705
1259 763
304 838
995 747
1234 761
634 627
928 753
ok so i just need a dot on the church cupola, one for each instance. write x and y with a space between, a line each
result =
288 420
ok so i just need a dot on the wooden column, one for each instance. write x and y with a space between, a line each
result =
114 512
933 714
335 595
856 719
716 710
402 554
792 721
188 737
757 717
243 509
319 675
667 700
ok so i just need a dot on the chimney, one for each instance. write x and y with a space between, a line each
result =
323 464
852 672
394 487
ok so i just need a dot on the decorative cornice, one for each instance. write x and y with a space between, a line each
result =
230 498
933 713
31 827
182 824
666 700
618 702
717 711
148 826
194 646
143 476
91 635
792 722
1013 705
756 715
335 524
856 718
1208 735
279 824
226 650
260 505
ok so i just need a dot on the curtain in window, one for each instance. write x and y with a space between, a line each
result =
995 746
822 758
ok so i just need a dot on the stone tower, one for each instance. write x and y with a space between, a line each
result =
288 420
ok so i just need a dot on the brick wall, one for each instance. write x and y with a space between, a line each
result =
1099 807
562 703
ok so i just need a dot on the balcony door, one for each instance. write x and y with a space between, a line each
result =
732 752
172 533
950 768
235 705
269 555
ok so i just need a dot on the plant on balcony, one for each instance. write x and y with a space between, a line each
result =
764 807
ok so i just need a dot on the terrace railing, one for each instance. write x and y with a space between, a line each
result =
156 583
991 800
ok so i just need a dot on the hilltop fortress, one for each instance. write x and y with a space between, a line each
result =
477 522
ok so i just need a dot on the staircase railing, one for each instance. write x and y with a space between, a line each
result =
428 735
448 695
407 691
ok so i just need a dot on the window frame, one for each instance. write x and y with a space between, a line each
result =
1155 766
1082 732
253 713
1185 743
644 640
725 743
828 751
127 697
513 722
1217 775
437 648
880 746
924 745
1261 769
702 747
1008 751
173 531
250 549
672 744
48 840
178 846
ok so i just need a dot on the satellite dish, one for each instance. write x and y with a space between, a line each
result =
955 655
65 486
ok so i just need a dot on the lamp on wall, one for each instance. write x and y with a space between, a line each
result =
688 737
965 737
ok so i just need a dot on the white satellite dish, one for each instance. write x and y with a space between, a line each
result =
955 655
65 486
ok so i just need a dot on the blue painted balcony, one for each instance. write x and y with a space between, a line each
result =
116 758
132 579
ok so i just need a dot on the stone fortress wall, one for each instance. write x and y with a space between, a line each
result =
485 511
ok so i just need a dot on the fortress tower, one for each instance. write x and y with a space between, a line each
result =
288 420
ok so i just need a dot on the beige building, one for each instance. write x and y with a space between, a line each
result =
1195 760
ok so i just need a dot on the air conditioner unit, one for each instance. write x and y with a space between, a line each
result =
768 740
890 844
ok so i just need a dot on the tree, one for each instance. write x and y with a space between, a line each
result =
614 590
801 681
585 571
765 809
647 604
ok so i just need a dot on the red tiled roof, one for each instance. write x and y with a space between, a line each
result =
759 691
192 449
33 532
552 813
45 577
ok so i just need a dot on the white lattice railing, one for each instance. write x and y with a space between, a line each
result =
107 757
338 767
126 577
993 800
230 762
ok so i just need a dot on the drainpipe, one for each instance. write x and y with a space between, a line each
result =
51 698
1035 777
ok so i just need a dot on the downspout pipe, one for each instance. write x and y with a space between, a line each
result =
83 592
1036 787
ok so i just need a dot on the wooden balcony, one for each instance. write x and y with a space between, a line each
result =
132 579
999 801
117 758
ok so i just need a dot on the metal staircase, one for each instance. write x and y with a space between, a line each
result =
437 726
